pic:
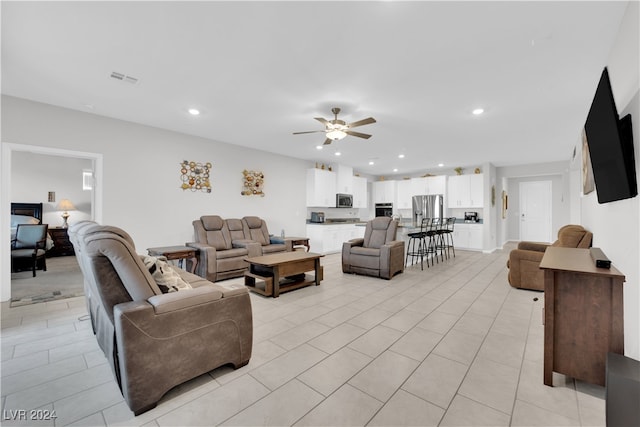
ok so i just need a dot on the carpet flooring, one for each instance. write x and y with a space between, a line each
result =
63 279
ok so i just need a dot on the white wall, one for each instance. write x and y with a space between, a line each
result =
615 226
34 175
141 175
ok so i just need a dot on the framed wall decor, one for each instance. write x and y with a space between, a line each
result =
588 183
195 176
253 181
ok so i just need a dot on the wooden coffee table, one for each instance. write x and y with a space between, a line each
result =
282 272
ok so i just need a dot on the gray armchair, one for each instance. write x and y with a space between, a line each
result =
155 341
378 254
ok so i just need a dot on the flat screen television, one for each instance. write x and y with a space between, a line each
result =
610 142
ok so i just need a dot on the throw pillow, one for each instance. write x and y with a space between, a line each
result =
166 278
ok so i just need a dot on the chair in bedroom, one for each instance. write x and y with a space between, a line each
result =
378 254
29 246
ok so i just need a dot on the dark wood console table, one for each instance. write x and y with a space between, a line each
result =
583 315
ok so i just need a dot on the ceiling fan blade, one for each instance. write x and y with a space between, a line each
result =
323 121
327 141
358 134
308 131
362 122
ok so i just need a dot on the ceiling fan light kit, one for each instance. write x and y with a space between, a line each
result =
337 129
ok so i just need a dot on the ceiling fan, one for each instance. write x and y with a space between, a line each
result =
337 129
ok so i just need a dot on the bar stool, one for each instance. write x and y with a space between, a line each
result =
418 239
447 235
435 240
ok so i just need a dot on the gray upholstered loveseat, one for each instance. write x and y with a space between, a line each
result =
224 245
153 340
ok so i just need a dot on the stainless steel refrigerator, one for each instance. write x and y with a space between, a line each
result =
429 206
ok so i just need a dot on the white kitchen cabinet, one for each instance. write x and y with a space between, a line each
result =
403 194
328 238
466 191
476 190
429 185
384 191
468 236
344 179
360 196
321 188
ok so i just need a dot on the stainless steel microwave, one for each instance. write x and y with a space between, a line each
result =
344 200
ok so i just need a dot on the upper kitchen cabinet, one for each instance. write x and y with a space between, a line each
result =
384 191
344 179
360 192
429 185
466 191
404 194
321 188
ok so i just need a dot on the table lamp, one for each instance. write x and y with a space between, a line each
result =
65 205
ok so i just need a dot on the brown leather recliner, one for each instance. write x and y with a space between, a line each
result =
378 254
524 262
219 255
155 341
255 229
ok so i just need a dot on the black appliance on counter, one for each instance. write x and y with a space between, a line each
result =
344 200
384 209
317 217
471 217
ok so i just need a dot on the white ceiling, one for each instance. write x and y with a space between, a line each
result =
259 71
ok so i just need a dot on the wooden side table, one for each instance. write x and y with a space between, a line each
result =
61 244
300 241
583 318
177 252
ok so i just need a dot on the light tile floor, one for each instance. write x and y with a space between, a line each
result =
450 345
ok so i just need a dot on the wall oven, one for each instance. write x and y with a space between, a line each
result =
384 209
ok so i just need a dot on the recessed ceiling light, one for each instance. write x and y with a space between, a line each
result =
401 156
478 111
318 147
338 153
395 169
194 112
440 165
371 163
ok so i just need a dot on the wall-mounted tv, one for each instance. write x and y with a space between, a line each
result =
610 142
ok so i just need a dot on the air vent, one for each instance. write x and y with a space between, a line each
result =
124 78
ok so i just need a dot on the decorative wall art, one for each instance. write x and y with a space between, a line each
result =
588 183
253 182
505 204
195 176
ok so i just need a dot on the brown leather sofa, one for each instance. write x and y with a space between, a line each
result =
219 256
378 254
224 245
524 262
256 229
155 341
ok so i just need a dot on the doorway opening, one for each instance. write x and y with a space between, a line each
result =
535 211
6 197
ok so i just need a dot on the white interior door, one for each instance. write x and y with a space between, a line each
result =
535 211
